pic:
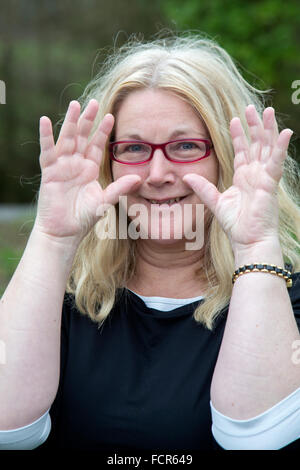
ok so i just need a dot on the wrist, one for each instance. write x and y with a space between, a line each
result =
268 251
64 247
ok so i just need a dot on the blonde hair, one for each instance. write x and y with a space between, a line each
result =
202 73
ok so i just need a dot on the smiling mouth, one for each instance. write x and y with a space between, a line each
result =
169 202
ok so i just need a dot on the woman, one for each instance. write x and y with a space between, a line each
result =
192 350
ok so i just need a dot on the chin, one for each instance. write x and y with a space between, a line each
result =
163 232
168 226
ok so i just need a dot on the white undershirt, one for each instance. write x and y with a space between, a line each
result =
165 304
275 428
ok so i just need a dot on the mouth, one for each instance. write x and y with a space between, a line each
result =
169 202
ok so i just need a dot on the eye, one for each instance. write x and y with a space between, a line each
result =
135 148
187 146
184 146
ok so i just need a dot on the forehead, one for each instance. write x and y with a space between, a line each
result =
153 110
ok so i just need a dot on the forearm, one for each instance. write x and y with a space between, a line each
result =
254 370
30 319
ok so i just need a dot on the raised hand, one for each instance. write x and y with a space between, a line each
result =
248 210
70 196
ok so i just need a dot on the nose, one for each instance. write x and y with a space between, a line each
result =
161 170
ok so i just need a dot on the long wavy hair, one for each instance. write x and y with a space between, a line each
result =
199 71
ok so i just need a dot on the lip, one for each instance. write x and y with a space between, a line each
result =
162 201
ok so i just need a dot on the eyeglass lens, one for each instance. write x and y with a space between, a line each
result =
133 152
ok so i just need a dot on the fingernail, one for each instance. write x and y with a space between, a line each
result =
93 101
137 182
74 102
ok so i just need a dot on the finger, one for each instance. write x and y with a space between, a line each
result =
66 142
256 132
120 187
85 125
47 143
240 142
270 126
96 146
204 189
270 133
275 163
255 125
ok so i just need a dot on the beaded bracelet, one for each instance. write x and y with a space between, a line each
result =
264 268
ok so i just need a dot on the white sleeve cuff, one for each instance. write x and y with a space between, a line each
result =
28 437
275 428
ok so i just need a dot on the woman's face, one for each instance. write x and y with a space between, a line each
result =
159 116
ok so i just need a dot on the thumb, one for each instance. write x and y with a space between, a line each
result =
204 189
122 186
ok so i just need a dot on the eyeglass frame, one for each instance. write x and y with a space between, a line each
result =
162 147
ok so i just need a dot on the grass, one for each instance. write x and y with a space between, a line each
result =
13 239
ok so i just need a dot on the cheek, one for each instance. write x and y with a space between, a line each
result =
208 168
118 170
213 173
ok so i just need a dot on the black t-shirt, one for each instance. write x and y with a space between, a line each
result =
139 382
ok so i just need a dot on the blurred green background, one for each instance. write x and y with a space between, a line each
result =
50 50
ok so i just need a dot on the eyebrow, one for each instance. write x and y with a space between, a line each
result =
177 133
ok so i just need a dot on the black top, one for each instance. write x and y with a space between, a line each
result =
141 381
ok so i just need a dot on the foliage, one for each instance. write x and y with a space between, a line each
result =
263 36
50 49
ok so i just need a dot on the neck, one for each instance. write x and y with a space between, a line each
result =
166 270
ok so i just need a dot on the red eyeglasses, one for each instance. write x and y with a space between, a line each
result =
135 152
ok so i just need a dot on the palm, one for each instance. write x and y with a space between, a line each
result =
70 194
248 210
